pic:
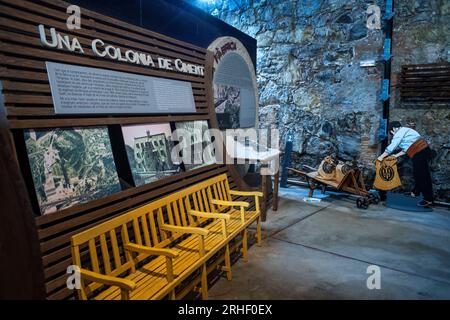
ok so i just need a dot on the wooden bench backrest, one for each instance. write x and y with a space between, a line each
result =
100 249
174 208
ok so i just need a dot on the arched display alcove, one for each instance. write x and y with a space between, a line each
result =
235 86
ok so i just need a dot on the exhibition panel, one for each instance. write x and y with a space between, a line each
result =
79 147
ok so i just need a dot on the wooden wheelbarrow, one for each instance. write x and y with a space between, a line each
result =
352 183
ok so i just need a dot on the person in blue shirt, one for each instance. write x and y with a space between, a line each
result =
409 141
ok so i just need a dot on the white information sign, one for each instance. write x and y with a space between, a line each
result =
78 90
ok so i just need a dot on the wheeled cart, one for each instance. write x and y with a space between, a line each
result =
352 183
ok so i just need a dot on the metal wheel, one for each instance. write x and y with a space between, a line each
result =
376 199
359 203
365 203
362 203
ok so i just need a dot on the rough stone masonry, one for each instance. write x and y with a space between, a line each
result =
310 81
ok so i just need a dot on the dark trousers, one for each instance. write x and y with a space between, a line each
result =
422 174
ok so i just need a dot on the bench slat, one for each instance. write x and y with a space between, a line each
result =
137 231
93 255
153 228
176 213
161 222
105 254
145 230
152 277
182 211
115 248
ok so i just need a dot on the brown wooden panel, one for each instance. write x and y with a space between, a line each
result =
28 30
425 84
89 60
79 122
57 19
27 96
127 26
9 86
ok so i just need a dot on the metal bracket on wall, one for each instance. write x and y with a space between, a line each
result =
286 159
385 90
387 57
389 13
387 50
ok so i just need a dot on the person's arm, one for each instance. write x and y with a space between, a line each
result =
384 155
401 153
394 144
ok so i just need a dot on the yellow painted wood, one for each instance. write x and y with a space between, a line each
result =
224 191
205 200
209 215
246 193
204 282
258 232
151 251
155 240
93 255
105 254
145 230
161 222
161 276
188 208
113 281
200 201
137 231
182 211
192 230
244 246
76 260
243 204
169 213
176 213
115 248
228 262
126 239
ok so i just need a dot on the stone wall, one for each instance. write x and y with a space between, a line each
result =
422 35
309 76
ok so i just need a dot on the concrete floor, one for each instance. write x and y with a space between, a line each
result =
322 251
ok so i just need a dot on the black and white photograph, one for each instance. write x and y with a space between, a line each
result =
148 150
227 103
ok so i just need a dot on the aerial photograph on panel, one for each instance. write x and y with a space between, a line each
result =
71 166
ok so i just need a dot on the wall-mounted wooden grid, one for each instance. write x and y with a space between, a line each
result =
425 84
28 104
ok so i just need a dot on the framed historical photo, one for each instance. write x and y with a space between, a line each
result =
148 149
195 144
70 166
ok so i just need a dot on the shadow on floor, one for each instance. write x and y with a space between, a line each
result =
323 250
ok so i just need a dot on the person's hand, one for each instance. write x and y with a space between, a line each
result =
380 158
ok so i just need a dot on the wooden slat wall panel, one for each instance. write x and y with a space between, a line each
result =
425 84
28 104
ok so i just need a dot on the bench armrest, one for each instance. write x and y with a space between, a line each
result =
168 253
224 217
151 251
200 232
246 193
123 284
193 230
243 204
209 215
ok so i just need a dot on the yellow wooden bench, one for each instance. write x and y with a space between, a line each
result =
181 232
